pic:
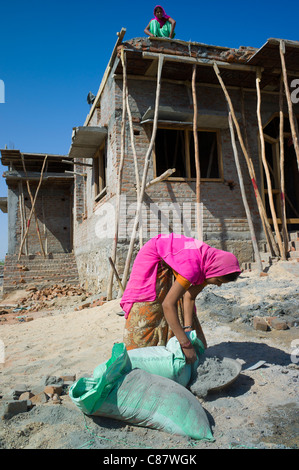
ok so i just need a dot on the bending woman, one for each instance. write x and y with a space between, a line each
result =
162 25
159 301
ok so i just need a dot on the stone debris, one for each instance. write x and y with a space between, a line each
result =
46 298
23 398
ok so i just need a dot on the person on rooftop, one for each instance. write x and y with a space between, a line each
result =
161 25
159 300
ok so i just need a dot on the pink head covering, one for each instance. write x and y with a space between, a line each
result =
192 259
165 17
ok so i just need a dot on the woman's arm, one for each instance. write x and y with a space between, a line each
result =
170 312
147 30
189 306
189 303
173 23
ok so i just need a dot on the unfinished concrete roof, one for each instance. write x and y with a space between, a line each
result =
33 161
238 66
141 54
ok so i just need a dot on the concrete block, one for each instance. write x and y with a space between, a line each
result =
13 407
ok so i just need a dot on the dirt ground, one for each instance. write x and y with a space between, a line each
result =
259 410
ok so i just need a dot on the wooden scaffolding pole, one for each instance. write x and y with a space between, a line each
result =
120 173
262 212
134 157
284 227
34 212
265 164
247 148
244 198
293 122
145 171
33 206
196 151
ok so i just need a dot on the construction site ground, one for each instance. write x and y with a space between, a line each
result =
70 335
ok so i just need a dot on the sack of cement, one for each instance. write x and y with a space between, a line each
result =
167 361
152 401
140 398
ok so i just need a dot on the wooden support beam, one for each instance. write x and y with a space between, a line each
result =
160 178
203 62
196 153
292 119
145 171
262 212
243 194
33 206
34 212
120 173
265 164
116 275
77 163
284 227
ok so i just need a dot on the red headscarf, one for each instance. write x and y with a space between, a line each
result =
165 17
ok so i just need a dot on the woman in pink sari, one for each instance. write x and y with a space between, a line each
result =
159 301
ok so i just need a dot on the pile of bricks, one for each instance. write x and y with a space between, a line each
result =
95 303
23 398
268 323
37 298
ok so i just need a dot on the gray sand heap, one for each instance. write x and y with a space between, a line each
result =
212 372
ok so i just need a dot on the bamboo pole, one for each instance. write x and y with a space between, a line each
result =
21 209
145 171
293 123
134 157
196 152
282 179
250 166
120 173
244 198
32 208
24 218
34 212
247 147
265 164
116 275
160 178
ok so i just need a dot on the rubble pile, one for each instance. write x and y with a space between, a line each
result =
46 298
22 398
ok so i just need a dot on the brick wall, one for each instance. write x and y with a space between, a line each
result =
224 220
54 212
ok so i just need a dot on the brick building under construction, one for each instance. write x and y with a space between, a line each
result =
181 137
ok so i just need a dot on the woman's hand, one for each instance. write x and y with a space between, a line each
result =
190 354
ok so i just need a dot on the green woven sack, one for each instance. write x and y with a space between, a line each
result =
168 361
156 402
139 397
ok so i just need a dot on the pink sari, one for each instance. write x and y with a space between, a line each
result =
192 259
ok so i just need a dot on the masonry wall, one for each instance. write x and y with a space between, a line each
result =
54 212
224 220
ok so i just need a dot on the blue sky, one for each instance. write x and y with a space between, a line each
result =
53 53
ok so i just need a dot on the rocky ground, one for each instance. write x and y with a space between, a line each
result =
259 410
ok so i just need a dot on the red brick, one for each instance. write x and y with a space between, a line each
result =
260 324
